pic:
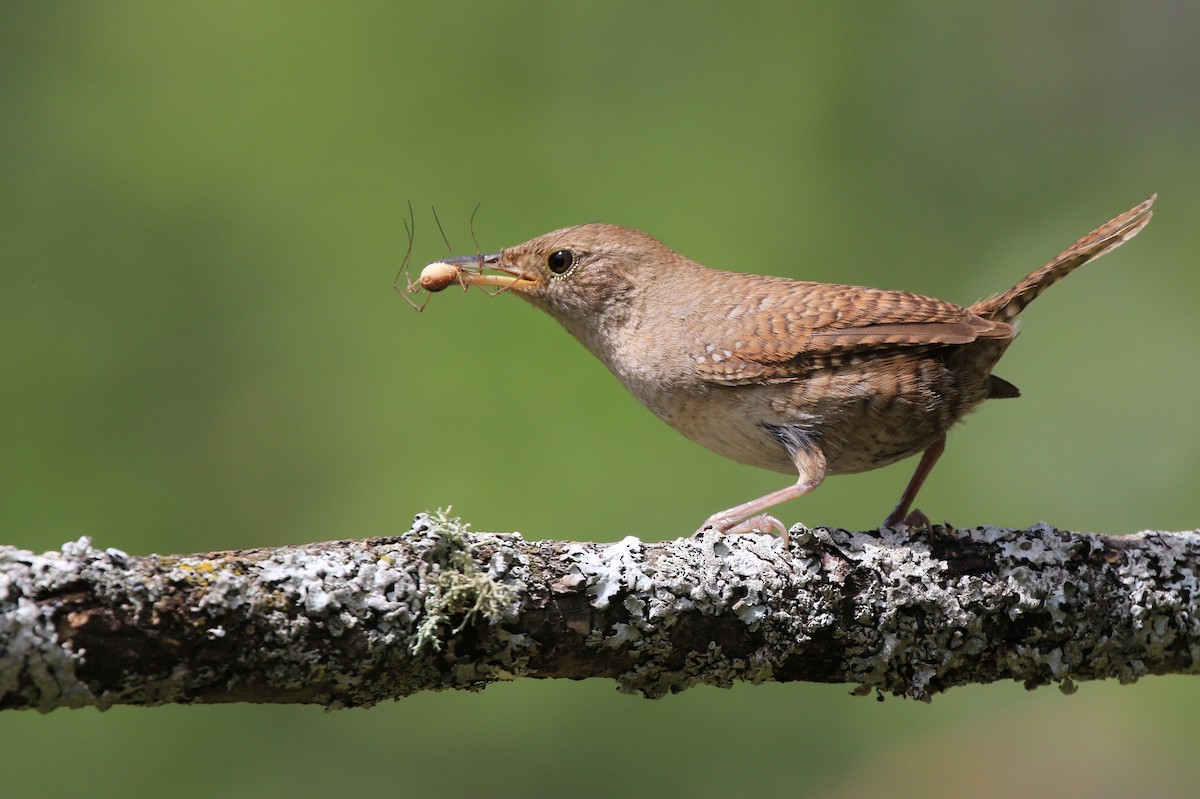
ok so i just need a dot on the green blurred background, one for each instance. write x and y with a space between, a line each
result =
201 214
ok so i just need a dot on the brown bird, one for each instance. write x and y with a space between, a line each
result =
799 377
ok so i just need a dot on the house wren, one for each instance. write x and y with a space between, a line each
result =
798 377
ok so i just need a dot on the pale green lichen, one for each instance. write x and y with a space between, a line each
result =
456 589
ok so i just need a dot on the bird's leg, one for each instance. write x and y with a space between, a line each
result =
900 514
749 516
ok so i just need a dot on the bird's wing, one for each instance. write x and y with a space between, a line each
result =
783 330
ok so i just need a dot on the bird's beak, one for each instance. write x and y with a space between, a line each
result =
473 273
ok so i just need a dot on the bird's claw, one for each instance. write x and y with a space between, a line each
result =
762 523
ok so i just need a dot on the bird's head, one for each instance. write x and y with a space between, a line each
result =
577 273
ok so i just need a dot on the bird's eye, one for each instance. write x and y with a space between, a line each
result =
561 262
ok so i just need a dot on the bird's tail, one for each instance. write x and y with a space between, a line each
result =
1112 234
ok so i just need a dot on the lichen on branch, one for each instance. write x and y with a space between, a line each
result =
351 623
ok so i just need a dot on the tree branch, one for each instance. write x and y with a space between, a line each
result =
355 622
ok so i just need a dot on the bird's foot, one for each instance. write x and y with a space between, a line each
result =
918 522
761 523
913 520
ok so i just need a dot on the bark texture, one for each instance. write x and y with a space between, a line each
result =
350 623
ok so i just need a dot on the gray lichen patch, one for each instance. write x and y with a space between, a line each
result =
1038 605
405 605
660 589
35 669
